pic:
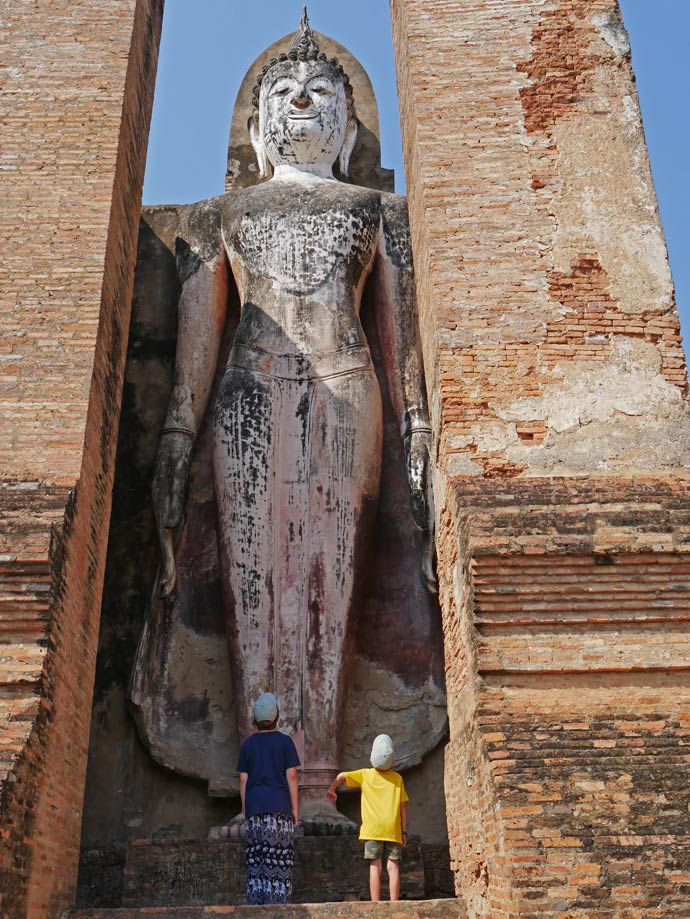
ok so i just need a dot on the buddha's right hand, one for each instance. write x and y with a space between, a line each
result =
169 492
168 576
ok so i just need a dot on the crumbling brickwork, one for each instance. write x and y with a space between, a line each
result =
565 611
541 257
77 86
558 389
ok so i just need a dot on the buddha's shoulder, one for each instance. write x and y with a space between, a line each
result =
199 223
394 208
395 223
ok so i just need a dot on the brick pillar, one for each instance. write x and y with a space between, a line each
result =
77 87
558 389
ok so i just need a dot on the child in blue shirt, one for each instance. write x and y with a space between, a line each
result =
269 791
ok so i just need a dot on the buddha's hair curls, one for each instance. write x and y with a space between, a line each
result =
304 48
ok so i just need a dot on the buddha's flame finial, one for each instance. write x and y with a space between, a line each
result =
304 42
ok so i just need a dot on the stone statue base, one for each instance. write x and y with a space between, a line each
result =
193 872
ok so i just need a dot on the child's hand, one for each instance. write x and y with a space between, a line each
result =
331 796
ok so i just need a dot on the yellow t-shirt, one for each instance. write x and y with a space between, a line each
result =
382 795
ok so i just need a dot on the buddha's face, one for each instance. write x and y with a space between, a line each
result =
303 113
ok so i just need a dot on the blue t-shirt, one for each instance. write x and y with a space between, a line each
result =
265 757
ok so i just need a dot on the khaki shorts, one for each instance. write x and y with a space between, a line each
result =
374 848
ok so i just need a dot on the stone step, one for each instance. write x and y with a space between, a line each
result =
403 909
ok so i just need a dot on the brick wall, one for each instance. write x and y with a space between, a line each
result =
77 86
546 297
558 389
569 695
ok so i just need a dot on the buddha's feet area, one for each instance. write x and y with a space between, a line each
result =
176 873
403 909
321 818
315 821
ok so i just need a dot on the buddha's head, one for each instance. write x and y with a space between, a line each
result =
303 109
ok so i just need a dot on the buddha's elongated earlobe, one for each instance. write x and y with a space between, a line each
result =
258 145
348 146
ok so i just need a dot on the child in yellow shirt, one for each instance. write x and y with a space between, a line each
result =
384 814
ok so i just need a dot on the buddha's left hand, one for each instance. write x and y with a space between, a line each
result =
418 462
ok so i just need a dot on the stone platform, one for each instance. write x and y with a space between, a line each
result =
418 909
195 872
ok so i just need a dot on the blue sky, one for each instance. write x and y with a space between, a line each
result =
209 44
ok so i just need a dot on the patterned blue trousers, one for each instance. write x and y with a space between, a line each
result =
270 857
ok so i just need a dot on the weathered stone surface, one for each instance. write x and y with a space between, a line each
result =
397 674
439 880
294 424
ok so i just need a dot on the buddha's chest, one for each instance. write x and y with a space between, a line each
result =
300 241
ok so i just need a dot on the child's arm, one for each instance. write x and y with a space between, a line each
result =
243 788
331 794
403 822
293 785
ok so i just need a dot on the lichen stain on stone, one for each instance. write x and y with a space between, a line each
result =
560 70
302 414
611 28
316 605
310 249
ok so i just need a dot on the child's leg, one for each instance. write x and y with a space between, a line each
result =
375 879
393 868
